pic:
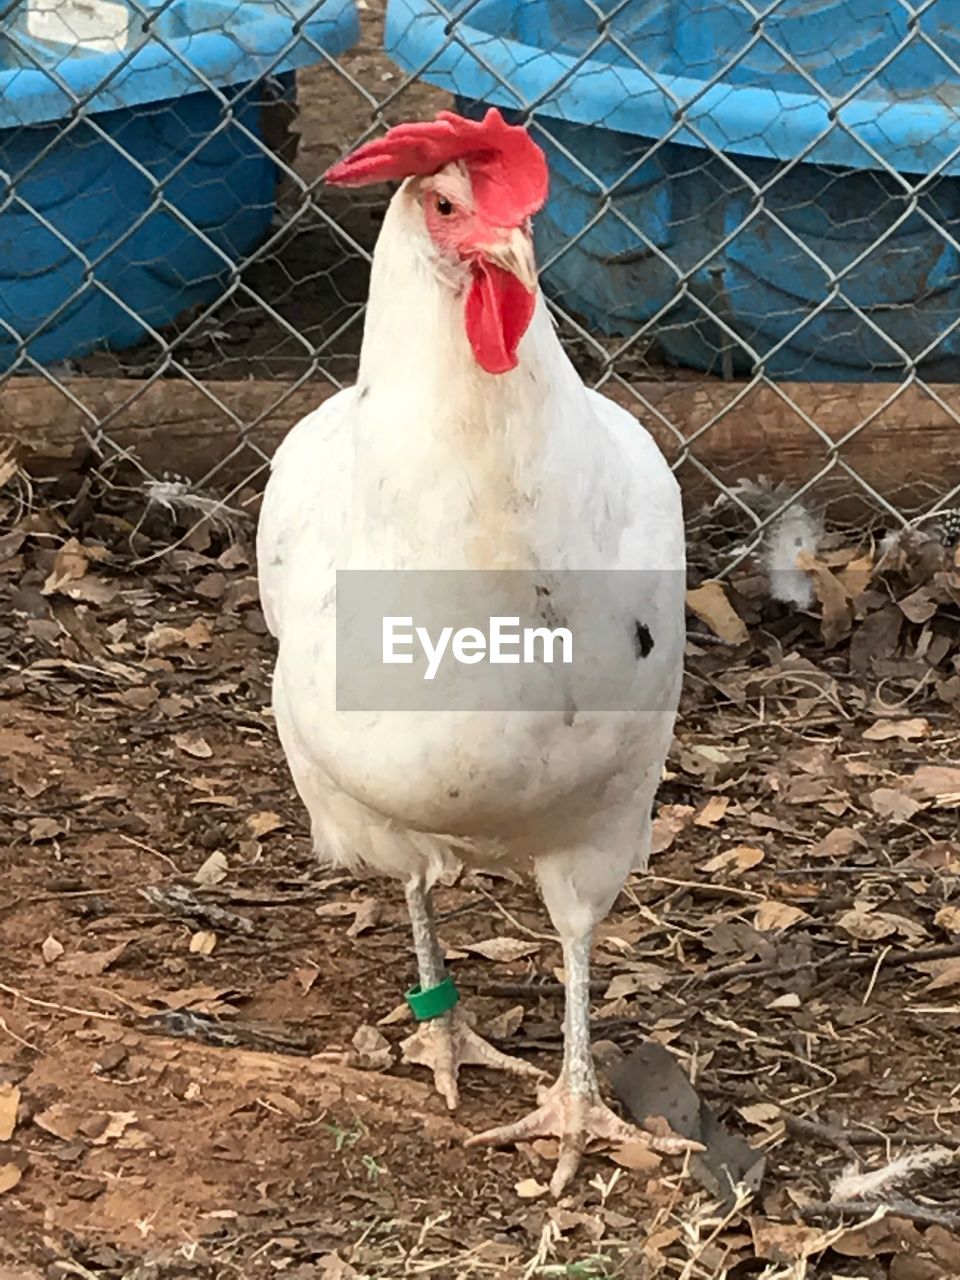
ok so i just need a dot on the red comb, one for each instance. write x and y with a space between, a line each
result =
507 169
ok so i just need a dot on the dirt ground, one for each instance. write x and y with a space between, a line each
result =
198 1024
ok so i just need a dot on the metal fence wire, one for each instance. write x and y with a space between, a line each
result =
753 228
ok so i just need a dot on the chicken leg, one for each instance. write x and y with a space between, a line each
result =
447 1043
571 1109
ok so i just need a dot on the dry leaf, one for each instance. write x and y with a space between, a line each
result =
948 918
504 1024
335 910
162 638
773 915
10 1175
42 829
740 858
836 613
712 812
947 975
90 964
502 949
906 730
710 604
194 744
399 1013
106 1126
367 917
261 824
862 921
71 562
9 1104
372 1048
203 942
838 843
896 805
635 1155
667 825
213 871
646 978
60 1120
530 1188
760 1113
51 949
938 782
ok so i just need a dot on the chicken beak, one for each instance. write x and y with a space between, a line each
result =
513 252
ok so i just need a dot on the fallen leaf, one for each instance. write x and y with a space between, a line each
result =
70 563
261 824
335 910
399 1013
530 1188
920 605
106 1126
710 604
838 843
938 782
10 1175
214 870
333 1267
163 638
906 730
203 942
788 1001
502 949
504 1024
712 812
373 1049
51 949
306 977
947 975
367 917
740 858
866 923
9 1105
667 825
194 744
60 1120
948 919
646 978
896 805
637 1156
90 964
773 915
760 1113
42 829
836 613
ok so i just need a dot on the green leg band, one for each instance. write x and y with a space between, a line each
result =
434 1001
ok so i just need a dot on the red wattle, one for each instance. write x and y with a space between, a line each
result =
498 311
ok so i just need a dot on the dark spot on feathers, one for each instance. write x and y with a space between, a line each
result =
642 640
364 392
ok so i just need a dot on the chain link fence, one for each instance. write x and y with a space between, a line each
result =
752 240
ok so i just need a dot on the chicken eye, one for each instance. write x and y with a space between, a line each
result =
444 207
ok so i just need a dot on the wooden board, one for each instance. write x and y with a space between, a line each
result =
907 450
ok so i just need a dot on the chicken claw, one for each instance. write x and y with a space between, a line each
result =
574 1118
447 1043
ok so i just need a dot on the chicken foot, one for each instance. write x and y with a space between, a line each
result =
571 1109
447 1043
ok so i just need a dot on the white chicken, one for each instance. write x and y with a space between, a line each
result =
470 443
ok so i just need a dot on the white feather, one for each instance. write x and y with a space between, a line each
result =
430 463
